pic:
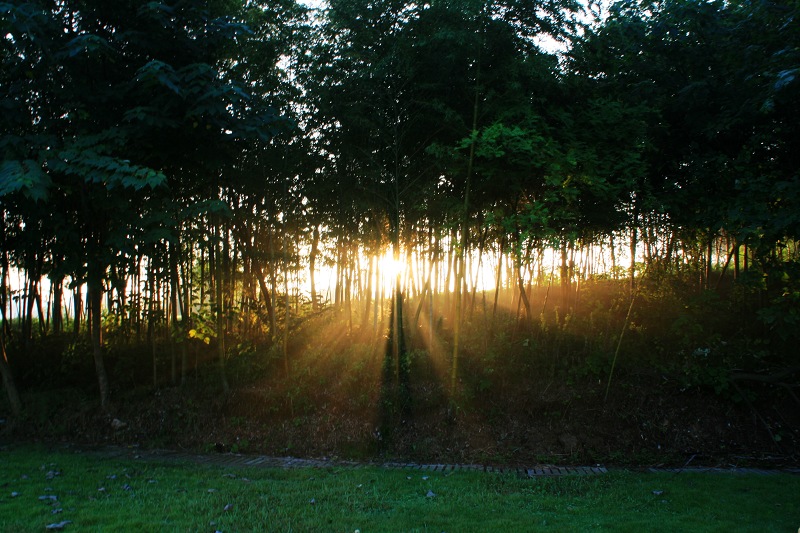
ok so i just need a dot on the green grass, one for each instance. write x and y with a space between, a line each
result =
126 495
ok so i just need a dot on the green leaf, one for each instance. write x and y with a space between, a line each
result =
26 177
87 43
159 73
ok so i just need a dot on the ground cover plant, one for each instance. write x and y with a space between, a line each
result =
80 492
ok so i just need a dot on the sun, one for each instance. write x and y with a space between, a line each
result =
389 268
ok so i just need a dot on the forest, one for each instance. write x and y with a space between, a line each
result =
476 230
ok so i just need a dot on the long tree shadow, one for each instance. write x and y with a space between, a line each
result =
395 396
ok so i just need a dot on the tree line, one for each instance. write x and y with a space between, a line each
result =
184 168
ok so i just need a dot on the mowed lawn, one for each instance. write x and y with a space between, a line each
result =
79 492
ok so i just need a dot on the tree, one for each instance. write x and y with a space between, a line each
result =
713 85
123 102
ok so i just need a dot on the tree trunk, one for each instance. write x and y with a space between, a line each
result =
448 272
709 261
497 284
523 293
725 266
368 291
5 301
612 248
30 299
151 325
173 304
565 277
481 246
186 310
266 296
8 379
287 310
312 265
58 293
378 294
425 290
746 258
348 285
77 302
632 273
95 296
219 303
40 309
273 293
465 229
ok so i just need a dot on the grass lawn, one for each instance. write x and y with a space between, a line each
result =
83 493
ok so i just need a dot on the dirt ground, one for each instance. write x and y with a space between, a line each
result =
645 421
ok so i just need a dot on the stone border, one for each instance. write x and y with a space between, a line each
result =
264 461
236 460
732 470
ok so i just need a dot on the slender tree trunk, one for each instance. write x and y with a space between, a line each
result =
397 322
186 312
8 379
39 306
648 234
5 301
368 291
266 294
549 286
523 293
151 320
312 265
632 273
481 245
465 228
58 294
725 266
359 274
337 292
378 294
173 304
348 286
425 290
565 276
512 262
449 271
287 316
296 271
612 249
709 259
136 298
30 300
95 296
746 263
273 294
408 272
218 268
77 302
497 285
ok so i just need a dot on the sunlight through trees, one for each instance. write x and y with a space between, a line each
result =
201 178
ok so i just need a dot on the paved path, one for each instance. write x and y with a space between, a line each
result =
263 461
